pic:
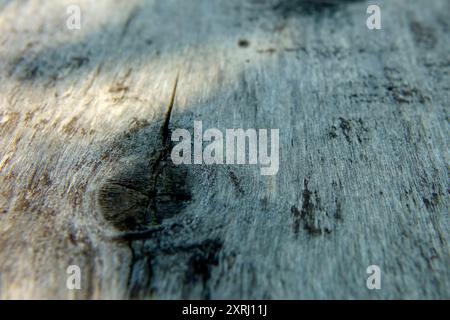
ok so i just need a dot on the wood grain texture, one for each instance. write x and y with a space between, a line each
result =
364 149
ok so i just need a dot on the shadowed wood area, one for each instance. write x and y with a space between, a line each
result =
85 171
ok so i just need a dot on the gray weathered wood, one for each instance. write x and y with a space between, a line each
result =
364 160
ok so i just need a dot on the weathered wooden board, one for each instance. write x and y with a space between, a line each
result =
364 149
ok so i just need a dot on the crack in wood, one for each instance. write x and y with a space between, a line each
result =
144 194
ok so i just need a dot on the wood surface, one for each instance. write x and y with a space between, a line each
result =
86 177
